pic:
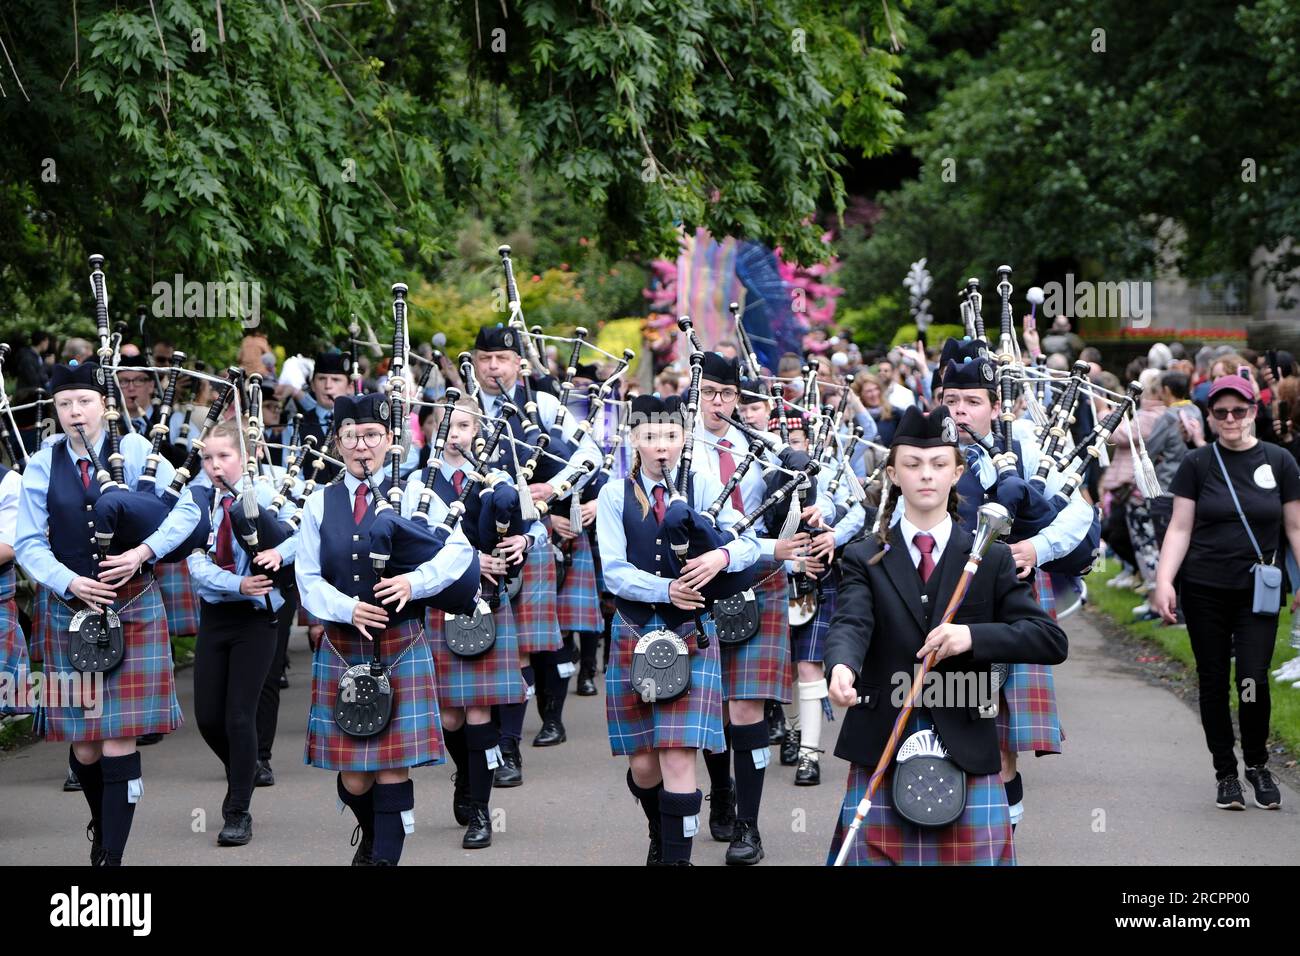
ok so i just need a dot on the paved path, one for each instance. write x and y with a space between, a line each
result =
1134 787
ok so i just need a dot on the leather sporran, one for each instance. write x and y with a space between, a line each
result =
96 642
364 704
929 789
469 635
661 666
736 617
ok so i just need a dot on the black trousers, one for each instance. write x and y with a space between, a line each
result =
1220 625
1115 531
235 645
268 704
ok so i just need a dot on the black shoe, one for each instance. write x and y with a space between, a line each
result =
145 740
511 771
746 845
655 855
790 747
96 844
776 726
1267 794
461 805
263 776
479 834
284 677
722 813
809 773
551 734
365 855
70 783
586 682
237 831
1230 796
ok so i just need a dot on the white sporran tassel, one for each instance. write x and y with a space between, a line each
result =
791 524
1145 473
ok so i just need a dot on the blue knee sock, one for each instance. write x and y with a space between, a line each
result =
679 815
123 786
394 811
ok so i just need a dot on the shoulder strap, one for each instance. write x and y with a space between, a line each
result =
1240 514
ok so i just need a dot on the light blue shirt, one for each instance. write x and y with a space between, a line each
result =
636 584
32 546
214 583
327 602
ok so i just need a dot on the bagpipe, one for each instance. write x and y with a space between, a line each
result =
10 435
399 545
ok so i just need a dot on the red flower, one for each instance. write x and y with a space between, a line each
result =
537 278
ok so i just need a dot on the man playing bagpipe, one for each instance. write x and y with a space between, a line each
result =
925 586
497 362
374 706
1041 536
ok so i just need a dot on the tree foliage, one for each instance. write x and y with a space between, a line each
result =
326 151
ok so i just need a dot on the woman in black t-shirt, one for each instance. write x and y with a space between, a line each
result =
1210 555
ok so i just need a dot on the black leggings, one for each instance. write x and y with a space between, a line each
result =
268 705
234 650
1220 625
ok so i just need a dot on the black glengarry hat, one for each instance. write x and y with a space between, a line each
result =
724 371
87 375
369 409
653 410
497 338
332 363
920 430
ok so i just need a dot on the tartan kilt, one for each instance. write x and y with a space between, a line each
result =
39 612
1027 715
139 695
491 678
1043 592
810 639
578 603
179 597
13 650
692 720
761 668
534 605
981 836
306 618
413 738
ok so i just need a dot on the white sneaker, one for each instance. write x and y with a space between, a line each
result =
1142 609
1124 579
1288 671
1146 587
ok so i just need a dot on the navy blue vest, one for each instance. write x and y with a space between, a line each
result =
648 550
470 523
345 550
71 511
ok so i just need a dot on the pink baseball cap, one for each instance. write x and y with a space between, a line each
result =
1239 383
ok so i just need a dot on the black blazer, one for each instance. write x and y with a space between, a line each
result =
881 622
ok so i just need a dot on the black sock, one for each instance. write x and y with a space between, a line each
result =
588 641
361 804
458 750
648 797
1015 788
719 767
543 668
117 806
391 801
511 719
482 740
746 739
91 776
557 687
679 816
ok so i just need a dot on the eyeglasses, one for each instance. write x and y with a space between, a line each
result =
719 394
350 440
1237 412
133 379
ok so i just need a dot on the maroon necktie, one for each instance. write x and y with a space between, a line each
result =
727 468
225 539
359 505
458 482
660 507
925 544
85 473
